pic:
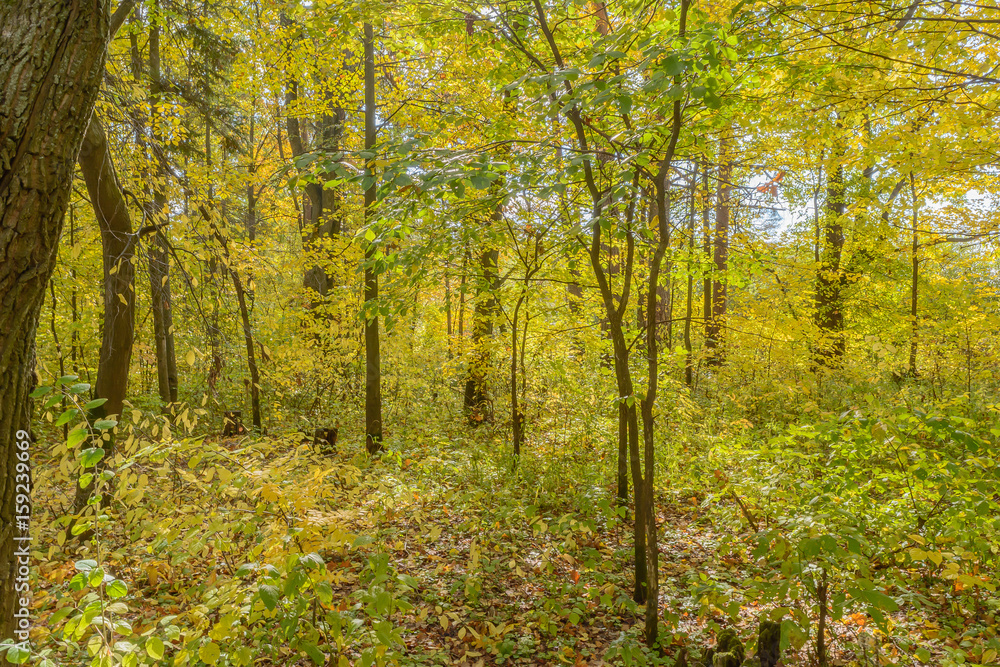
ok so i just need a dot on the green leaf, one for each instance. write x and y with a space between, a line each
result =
85 565
91 457
76 436
245 569
311 561
269 595
66 416
324 592
81 388
96 403
40 391
17 655
313 652
117 589
624 104
105 424
86 479
882 601
80 527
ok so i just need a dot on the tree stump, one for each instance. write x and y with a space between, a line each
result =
769 643
232 423
325 440
728 651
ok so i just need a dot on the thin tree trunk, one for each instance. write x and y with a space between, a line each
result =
688 304
661 184
59 351
461 303
709 263
214 332
720 242
914 275
623 376
447 311
821 594
322 215
373 372
53 55
74 337
244 319
515 413
159 263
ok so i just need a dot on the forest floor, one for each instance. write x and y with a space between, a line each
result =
436 553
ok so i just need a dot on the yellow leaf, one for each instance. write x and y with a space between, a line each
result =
209 653
190 358
443 620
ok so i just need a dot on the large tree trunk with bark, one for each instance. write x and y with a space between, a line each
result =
51 60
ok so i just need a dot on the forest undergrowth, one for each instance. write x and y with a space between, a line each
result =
262 550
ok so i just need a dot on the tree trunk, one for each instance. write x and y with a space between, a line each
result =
118 252
688 304
159 262
373 360
516 417
709 262
661 184
821 595
720 242
914 276
322 215
447 312
244 319
52 55
476 395
829 349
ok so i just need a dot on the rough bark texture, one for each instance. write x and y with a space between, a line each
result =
51 59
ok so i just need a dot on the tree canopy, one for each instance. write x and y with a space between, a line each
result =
522 332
